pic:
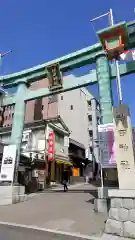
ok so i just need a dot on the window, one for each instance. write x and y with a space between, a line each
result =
9 116
37 109
98 120
42 108
98 107
90 118
91 150
71 107
5 117
59 139
89 102
61 97
91 133
12 115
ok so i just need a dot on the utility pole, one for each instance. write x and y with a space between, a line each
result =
117 65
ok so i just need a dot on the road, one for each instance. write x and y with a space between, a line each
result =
17 233
70 212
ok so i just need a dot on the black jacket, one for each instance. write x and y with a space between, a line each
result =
65 175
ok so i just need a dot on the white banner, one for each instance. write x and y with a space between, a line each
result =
8 163
107 145
47 131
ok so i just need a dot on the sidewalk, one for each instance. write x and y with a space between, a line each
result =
77 187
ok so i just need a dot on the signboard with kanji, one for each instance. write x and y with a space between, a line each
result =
8 163
51 146
54 76
124 146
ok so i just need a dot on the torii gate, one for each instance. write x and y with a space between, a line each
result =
103 75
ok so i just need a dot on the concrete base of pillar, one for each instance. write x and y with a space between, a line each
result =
121 219
103 192
12 194
101 205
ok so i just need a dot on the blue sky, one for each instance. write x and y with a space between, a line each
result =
39 31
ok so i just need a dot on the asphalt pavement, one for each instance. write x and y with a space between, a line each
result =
71 212
20 233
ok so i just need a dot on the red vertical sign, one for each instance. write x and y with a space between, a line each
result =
51 146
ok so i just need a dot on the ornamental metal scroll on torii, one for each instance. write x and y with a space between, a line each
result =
103 75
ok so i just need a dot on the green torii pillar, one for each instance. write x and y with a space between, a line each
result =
105 89
18 121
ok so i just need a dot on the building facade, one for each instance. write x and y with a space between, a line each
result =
78 109
34 150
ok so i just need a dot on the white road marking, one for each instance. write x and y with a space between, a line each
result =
50 230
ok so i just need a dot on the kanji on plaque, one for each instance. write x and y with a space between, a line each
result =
51 146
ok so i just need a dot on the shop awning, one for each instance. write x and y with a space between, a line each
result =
68 163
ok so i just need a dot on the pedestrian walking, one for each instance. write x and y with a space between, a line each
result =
65 179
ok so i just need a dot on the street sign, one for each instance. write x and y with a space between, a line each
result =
54 76
8 163
51 146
